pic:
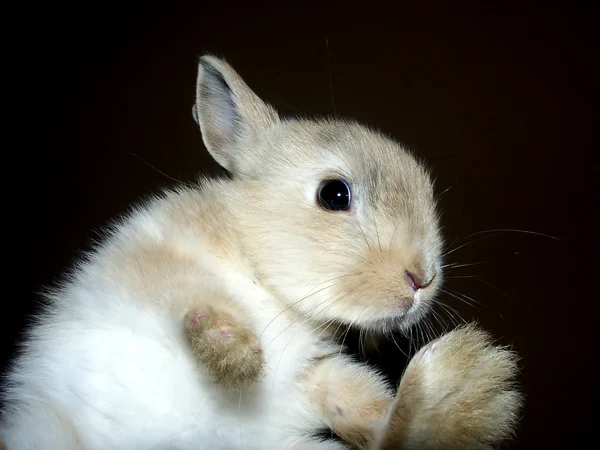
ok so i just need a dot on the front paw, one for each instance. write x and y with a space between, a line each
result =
229 350
458 392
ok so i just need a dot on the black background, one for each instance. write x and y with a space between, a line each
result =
500 101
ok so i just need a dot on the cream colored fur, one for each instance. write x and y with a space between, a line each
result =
206 319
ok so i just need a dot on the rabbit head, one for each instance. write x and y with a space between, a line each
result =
336 219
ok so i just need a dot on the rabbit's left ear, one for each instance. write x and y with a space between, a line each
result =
227 110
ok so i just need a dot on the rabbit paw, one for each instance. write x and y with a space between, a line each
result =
229 350
457 392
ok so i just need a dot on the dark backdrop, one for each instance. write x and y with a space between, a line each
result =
500 102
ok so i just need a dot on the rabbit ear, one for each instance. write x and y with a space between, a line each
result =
227 111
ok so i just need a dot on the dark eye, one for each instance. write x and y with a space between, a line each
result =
334 195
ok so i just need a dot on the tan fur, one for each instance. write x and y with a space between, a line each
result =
384 268
265 228
457 393
227 348
353 398
165 275
277 166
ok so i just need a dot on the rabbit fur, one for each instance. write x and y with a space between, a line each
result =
207 318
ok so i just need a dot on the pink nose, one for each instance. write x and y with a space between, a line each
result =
416 282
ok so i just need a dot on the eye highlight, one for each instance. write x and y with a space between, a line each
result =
334 195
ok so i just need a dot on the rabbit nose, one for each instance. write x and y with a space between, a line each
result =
417 281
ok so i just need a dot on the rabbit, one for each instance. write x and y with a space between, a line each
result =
207 317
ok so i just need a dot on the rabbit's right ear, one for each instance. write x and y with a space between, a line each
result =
227 111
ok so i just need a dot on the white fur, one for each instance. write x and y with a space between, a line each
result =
125 378
109 365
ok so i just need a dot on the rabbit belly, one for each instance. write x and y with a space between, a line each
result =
130 382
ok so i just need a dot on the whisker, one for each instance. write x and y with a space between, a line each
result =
492 286
458 266
377 234
466 297
377 335
422 333
392 240
160 171
415 338
470 243
296 320
307 296
438 318
361 348
311 317
457 297
445 190
515 230
290 107
396 344
354 253
294 334
335 333
498 231
284 349
363 232
461 297
330 76
169 441
346 335
452 313
409 343
429 327
329 323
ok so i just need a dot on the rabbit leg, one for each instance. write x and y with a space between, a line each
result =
457 392
352 399
224 343
218 329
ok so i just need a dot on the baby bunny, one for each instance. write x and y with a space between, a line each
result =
207 318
